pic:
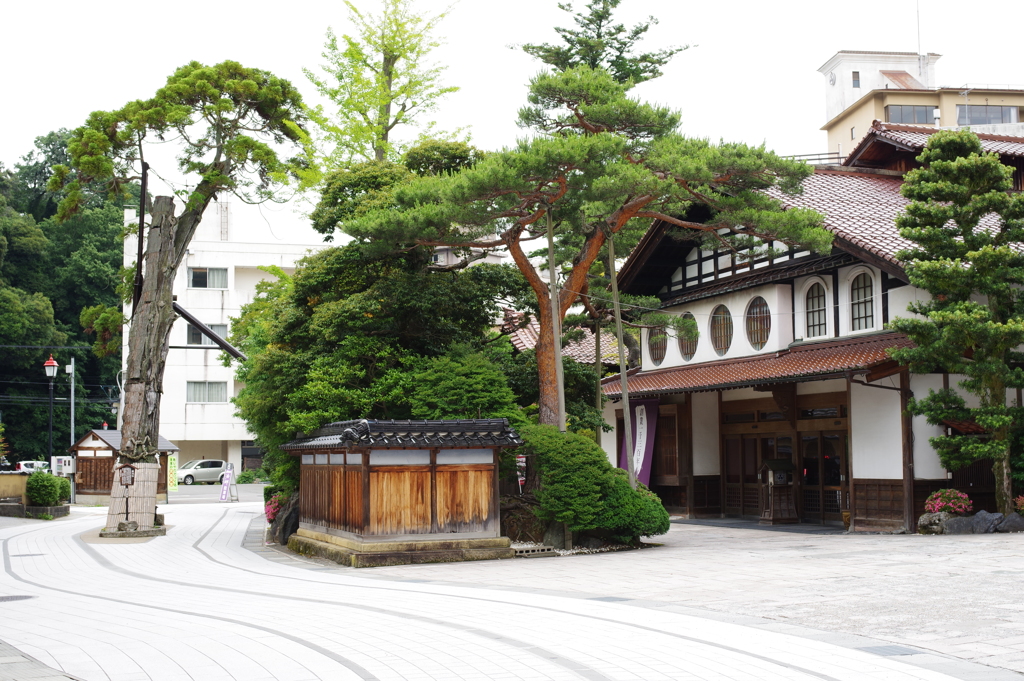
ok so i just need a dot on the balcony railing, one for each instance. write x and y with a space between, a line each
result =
827 158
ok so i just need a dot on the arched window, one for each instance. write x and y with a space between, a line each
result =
759 322
862 309
817 311
721 329
657 344
687 347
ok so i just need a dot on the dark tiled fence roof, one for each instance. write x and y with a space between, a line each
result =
383 434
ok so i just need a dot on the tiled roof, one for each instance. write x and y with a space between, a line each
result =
113 440
904 80
859 208
916 137
387 434
525 338
805 361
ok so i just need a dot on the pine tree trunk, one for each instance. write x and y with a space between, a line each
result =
547 401
1004 483
148 338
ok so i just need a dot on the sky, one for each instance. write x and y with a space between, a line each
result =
751 75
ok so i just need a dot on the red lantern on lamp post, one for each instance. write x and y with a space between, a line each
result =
50 367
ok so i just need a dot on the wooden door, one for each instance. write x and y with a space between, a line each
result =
824 479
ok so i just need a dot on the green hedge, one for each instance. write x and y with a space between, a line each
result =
65 489
43 489
580 488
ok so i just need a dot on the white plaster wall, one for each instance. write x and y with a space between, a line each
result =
900 297
705 433
876 431
834 385
776 295
742 394
926 460
608 437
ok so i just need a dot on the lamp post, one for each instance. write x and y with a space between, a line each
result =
50 367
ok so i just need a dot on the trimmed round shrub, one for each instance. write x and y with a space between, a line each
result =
65 489
948 501
580 488
43 489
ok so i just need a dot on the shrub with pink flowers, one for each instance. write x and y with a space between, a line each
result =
949 501
273 506
1019 503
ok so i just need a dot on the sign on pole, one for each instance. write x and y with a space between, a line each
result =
172 472
228 489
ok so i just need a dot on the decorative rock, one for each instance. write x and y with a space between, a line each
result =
286 522
1011 523
958 525
931 523
127 527
985 522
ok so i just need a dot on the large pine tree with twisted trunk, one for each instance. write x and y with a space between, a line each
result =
968 231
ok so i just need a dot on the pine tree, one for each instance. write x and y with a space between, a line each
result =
968 232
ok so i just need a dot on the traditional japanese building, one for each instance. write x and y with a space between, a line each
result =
791 362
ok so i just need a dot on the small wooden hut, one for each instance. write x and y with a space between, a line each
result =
95 454
394 492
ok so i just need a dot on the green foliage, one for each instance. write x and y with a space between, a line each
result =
340 339
106 323
379 79
43 489
250 476
599 43
968 253
65 488
355 190
582 489
441 157
466 387
231 120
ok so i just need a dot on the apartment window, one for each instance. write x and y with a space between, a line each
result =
206 391
817 310
856 79
207 277
687 346
196 337
657 344
862 302
759 323
973 114
853 133
909 114
721 329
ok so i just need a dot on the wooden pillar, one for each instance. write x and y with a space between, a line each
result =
433 490
496 494
849 454
910 522
721 458
366 491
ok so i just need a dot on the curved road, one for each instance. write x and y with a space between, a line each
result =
199 605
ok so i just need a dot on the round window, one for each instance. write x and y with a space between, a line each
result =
721 329
687 346
759 322
657 344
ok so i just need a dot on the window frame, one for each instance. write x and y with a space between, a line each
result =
685 345
206 392
204 341
654 349
862 319
206 270
758 322
725 332
823 311
855 77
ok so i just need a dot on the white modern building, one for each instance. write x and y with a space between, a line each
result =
217 277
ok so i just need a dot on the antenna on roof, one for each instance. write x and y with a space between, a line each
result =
920 55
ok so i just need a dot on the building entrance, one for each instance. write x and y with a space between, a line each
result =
744 456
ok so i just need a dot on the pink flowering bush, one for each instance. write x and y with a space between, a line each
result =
274 506
1019 503
949 501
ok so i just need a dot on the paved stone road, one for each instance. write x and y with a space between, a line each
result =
198 604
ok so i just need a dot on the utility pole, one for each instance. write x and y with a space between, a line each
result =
70 368
626 416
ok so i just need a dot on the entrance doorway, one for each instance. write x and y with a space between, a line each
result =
744 456
824 479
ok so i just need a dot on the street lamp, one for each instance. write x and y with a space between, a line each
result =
50 367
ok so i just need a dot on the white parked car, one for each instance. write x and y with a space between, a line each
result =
32 466
202 470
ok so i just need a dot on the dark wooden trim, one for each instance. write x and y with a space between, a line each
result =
417 468
835 303
884 370
885 297
494 517
684 434
908 454
433 489
849 456
792 309
871 258
366 491
721 458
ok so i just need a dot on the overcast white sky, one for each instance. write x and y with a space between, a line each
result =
752 78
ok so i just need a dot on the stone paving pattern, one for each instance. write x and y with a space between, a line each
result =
198 604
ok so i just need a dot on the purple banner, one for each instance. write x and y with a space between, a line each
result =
644 420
